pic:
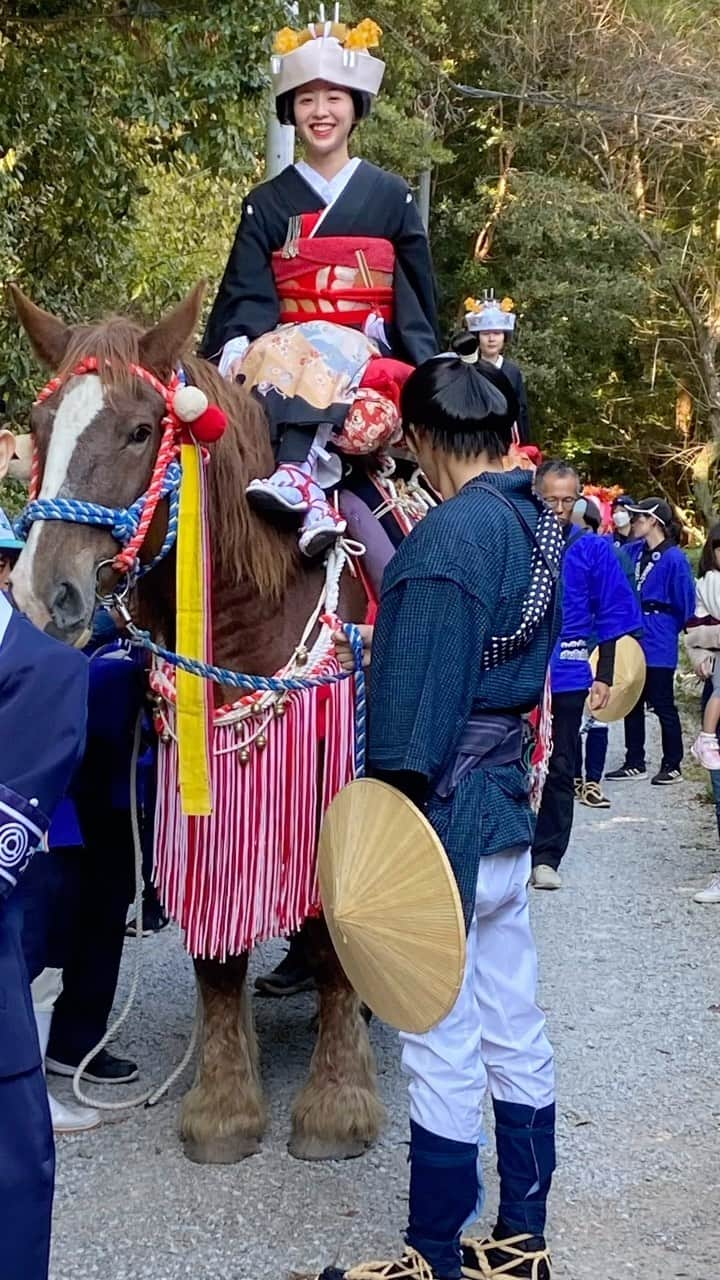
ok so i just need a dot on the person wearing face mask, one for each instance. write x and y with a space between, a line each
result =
333 251
621 533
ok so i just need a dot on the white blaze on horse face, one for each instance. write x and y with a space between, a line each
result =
78 408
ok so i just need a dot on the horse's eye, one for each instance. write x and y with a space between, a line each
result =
140 434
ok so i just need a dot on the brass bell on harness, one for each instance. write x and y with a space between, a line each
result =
165 737
243 755
261 742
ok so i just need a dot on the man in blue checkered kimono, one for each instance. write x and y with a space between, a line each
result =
466 625
43 695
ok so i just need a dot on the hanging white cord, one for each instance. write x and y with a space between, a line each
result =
154 1094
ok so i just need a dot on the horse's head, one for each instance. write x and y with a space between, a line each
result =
96 438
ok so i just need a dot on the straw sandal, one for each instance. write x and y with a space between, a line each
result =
411 1266
509 1262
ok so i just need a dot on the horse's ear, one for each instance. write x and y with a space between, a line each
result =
48 335
161 348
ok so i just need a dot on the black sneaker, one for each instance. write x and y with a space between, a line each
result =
104 1068
290 977
626 772
515 1258
666 777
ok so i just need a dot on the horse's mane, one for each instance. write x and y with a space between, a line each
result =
244 547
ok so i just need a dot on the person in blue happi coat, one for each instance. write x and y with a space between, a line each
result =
76 904
43 696
597 602
667 598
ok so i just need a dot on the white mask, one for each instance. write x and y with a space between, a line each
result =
621 519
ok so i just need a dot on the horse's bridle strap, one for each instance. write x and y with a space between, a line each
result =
128 525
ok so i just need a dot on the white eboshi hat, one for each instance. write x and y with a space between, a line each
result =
328 51
490 315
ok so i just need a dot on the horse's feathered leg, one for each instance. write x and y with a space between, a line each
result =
338 1114
223 1117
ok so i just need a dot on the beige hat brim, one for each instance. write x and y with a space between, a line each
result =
628 680
21 463
392 905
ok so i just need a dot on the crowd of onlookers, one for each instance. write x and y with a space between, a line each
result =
671 604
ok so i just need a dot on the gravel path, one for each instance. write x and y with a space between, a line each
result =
631 985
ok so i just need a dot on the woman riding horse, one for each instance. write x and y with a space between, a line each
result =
333 251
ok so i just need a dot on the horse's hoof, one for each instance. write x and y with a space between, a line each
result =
228 1150
311 1147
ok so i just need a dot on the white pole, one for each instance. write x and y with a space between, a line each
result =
424 197
279 144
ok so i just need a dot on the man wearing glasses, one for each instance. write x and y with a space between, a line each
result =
599 605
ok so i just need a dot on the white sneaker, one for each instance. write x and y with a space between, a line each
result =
544 877
71 1119
706 750
711 892
285 490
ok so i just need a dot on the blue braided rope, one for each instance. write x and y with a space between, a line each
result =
121 521
272 684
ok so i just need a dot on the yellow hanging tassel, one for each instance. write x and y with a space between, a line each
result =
193 694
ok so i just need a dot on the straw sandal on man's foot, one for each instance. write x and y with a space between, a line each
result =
411 1266
519 1257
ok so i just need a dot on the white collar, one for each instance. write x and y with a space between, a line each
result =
328 191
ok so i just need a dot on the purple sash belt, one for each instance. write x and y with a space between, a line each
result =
488 741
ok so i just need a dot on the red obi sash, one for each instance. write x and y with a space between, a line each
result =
337 278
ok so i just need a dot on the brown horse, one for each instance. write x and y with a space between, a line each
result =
97 437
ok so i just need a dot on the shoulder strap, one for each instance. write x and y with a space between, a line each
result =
552 569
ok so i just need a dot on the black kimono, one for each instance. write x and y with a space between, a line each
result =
514 376
374 204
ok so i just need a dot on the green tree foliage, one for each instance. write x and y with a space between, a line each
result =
131 129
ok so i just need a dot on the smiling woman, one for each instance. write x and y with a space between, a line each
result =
336 248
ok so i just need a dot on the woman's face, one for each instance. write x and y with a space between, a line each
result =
491 344
324 116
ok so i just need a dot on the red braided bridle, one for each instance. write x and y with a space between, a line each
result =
169 449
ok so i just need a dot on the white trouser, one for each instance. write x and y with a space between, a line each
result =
46 990
495 1032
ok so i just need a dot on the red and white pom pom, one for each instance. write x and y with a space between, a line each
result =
206 422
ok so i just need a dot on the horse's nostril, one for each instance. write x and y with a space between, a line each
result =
67 606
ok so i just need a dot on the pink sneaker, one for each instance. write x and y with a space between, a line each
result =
706 750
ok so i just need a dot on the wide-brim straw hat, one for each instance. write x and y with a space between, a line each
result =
628 680
392 905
